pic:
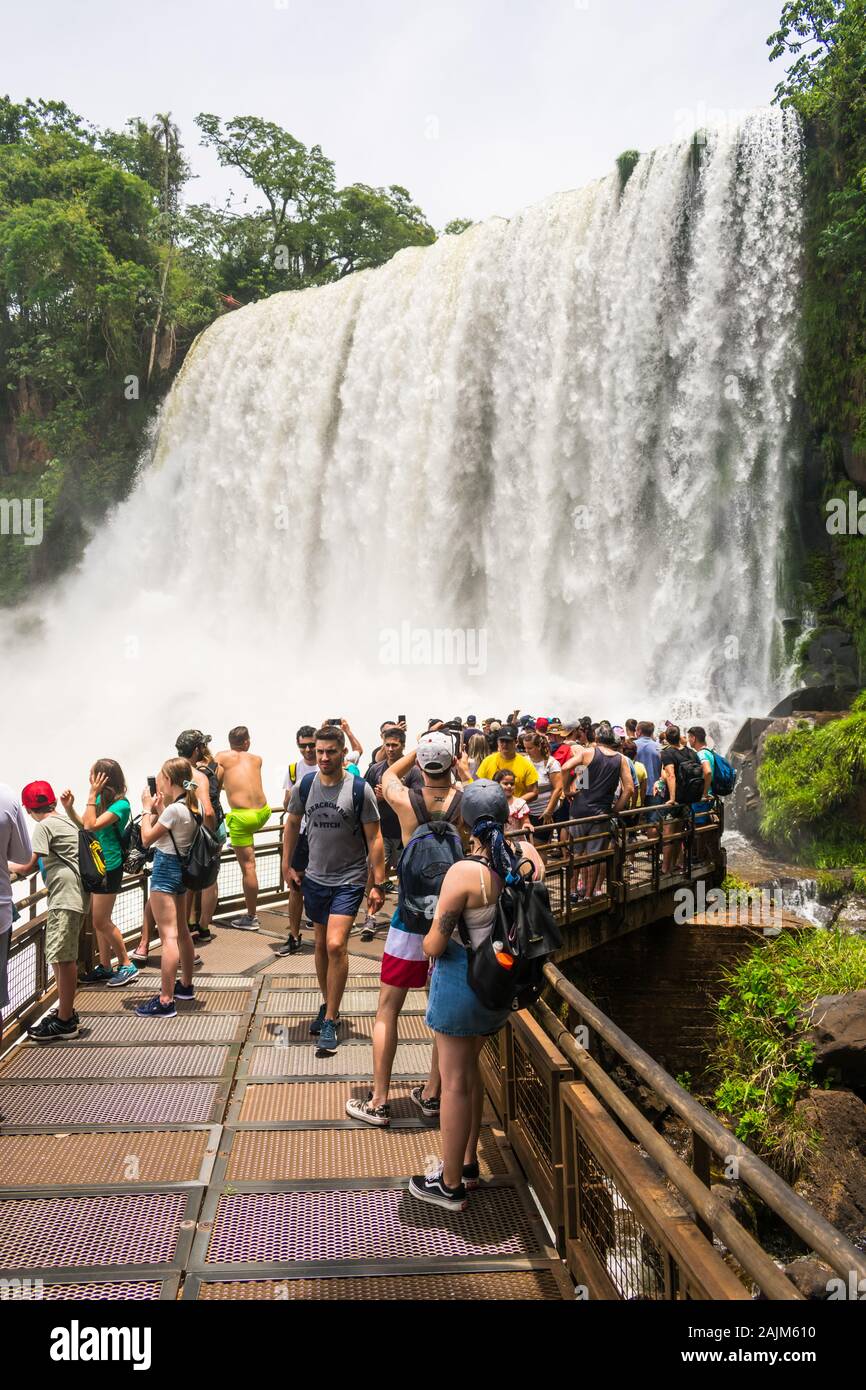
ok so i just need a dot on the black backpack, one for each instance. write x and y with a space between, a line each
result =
91 863
689 777
507 970
200 866
135 856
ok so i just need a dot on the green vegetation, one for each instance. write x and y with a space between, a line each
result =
625 163
762 1062
813 781
826 84
106 278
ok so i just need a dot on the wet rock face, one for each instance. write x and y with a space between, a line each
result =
851 918
811 1277
833 1176
838 1034
736 1198
830 658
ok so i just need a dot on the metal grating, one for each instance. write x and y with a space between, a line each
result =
290 1030
277 982
150 980
123 1001
114 1229
532 1104
127 1290
89 1160
360 1001
160 1103
21 977
285 1103
298 1155
350 1059
377 1225
533 1284
628 1253
72 1062
108 1028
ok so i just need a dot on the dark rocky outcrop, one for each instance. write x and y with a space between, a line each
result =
833 1176
838 1033
736 1198
851 917
811 1277
829 658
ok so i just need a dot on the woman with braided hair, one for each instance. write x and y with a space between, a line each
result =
470 890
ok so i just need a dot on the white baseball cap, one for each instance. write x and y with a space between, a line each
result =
435 753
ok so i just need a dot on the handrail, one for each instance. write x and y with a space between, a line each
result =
797 1214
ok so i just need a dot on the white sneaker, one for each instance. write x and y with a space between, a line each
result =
244 923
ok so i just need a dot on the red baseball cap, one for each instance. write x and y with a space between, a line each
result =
38 796
542 725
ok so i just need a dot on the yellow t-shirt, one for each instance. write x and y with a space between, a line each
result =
641 782
524 773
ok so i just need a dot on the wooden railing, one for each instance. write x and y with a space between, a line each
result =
631 1218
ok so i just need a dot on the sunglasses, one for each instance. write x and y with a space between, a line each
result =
306 746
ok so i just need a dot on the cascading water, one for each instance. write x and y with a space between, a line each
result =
567 438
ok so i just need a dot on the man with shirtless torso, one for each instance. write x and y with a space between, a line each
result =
404 965
242 784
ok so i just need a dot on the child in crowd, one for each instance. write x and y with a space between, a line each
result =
55 842
518 809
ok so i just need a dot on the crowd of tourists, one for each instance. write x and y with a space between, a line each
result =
469 809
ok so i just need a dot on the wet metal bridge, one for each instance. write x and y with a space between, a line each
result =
210 1156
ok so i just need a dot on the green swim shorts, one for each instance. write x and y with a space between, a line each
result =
242 825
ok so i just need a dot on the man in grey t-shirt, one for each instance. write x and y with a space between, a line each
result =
343 831
15 845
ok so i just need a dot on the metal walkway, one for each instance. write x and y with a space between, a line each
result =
210 1157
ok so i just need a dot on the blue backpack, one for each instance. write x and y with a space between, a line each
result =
358 785
724 776
434 846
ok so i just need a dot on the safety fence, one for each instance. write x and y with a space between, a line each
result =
30 978
631 1218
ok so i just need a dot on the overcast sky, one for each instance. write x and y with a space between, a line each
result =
477 106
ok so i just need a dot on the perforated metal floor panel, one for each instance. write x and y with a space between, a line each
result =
299 1155
200 1027
534 1284
291 1029
158 1103
279 982
350 1059
128 1290
114 1229
376 1225
55 1065
124 1001
355 1001
90 1160
286 1103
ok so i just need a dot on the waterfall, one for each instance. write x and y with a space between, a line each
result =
550 460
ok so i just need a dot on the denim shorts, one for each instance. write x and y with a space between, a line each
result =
321 902
453 1007
165 876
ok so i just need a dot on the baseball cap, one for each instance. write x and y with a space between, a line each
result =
542 725
38 796
484 798
525 719
189 740
619 730
506 731
435 753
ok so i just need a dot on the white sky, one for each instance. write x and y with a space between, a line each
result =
477 106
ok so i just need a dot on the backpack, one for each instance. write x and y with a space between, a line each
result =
91 863
200 866
724 776
507 970
432 848
135 856
689 777
358 785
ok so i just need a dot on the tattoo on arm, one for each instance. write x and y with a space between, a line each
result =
447 922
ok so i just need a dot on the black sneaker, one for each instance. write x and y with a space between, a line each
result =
203 935
290 947
184 991
471 1176
316 1025
429 1107
53 1029
369 929
433 1190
